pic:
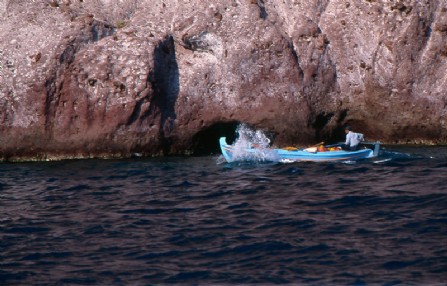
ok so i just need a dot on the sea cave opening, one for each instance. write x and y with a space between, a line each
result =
206 141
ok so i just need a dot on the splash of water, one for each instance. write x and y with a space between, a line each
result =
252 145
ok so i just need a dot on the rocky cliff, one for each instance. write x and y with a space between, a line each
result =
107 78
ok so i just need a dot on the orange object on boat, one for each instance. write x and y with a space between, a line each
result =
321 148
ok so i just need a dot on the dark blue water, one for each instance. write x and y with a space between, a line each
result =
197 221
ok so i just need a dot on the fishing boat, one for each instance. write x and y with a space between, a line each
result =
331 153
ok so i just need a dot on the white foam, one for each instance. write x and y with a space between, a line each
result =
252 145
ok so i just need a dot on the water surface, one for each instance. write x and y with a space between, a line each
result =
197 220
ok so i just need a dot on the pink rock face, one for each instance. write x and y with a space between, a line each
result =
104 79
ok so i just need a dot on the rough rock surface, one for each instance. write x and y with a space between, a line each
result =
114 78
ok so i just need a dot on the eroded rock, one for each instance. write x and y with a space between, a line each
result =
101 79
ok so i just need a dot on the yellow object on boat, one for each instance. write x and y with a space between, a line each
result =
290 148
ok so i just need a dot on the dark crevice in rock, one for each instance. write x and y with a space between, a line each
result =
294 54
166 86
206 141
136 112
262 11
342 116
52 96
67 56
428 31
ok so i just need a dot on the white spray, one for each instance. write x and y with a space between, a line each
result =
252 145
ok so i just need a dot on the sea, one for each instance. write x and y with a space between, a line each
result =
202 221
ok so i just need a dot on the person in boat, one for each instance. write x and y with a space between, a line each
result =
352 139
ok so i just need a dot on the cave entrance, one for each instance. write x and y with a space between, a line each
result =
206 141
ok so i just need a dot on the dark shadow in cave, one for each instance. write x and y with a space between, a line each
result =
335 135
321 120
338 134
206 141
